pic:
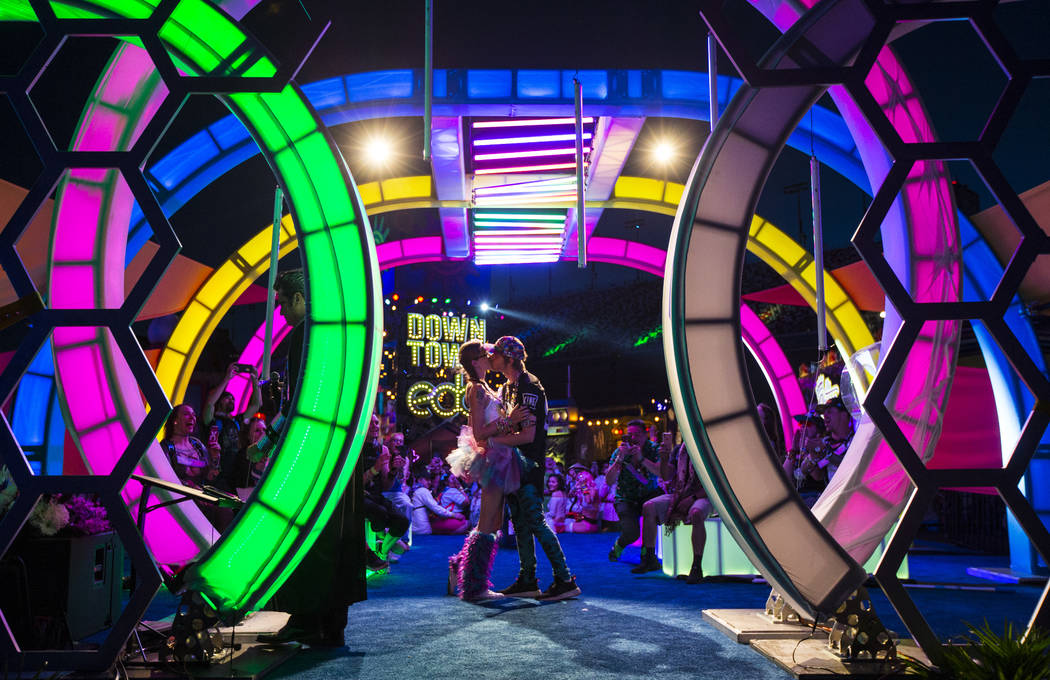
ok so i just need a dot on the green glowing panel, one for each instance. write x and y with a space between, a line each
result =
16 10
215 46
262 68
268 129
104 9
296 465
337 206
355 339
297 181
293 113
242 555
323 277
351 264
324 365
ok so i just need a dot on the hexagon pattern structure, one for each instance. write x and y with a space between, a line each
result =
912 158
120 154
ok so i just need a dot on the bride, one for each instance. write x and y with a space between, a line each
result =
479 457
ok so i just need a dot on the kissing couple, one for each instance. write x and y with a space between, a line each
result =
503 447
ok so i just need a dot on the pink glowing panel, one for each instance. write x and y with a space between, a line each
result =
76 287
91 403
77 199
104 136
109 442
626 253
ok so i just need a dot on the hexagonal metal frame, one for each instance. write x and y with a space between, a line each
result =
914 314
130 163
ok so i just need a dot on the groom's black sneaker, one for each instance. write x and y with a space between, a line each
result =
523 587
561 590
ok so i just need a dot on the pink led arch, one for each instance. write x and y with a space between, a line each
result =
763 346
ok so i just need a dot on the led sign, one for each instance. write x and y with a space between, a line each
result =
432 343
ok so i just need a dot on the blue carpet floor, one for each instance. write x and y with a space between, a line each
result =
622 626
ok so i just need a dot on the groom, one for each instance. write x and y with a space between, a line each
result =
524 390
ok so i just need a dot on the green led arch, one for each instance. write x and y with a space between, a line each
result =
328 417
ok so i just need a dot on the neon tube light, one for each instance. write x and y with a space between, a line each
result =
527 123
526 187
522 232
526 154
524 200
528 168
537 217
538 139
502 244
516 260
521 225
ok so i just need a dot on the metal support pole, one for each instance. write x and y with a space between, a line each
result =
581 214
712 78
428 76
275 246
818 250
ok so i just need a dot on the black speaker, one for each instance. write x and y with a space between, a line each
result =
71 583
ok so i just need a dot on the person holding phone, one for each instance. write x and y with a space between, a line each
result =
635 469
217 414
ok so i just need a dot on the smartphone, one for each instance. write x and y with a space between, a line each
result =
242 368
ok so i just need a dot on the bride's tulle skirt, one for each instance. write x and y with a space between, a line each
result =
497 465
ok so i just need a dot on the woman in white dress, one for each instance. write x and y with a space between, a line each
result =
494 466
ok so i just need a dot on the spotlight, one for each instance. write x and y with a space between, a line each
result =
379 151
448 300
395 297
663 152
484 306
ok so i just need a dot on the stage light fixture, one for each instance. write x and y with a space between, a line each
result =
664 152
484 306
379 151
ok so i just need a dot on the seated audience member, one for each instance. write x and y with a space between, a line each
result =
838 422
255 432
610 521
387 522
392 483
452 497
803 460
634 467
686 502
584 506
194 463
428 516
217 413
556 502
